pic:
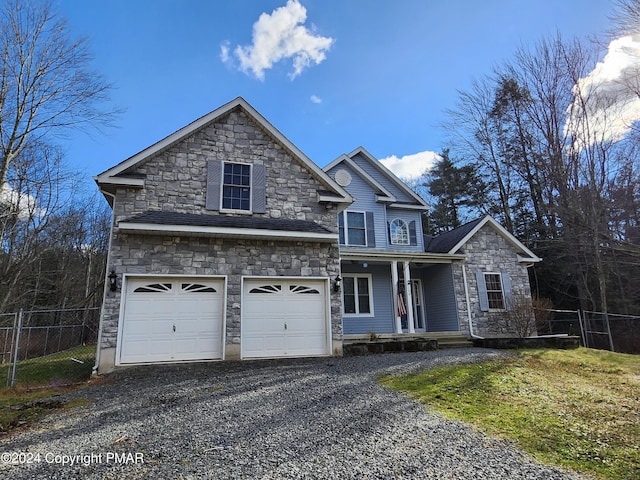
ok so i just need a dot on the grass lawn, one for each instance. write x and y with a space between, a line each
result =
39 381
579 409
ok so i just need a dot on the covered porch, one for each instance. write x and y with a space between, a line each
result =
386 295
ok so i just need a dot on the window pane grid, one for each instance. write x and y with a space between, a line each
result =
399 232
356 295
356 233
236 191
495 296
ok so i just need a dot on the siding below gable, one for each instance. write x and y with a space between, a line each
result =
365 201
382 321
400 194
440 297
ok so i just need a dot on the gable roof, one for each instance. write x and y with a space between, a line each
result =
451 242
377 165
117 175
384 194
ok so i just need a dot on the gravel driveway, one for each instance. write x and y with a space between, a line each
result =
304 418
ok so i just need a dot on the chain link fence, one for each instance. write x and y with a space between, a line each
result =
603 331
48 347
612 331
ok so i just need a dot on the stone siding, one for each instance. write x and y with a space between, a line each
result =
490 252
176 181
148 254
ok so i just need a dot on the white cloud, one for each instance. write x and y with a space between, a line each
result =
17 203
411 166
279 36
224 52
611 93
315 99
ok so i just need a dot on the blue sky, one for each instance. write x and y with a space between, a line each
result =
378 73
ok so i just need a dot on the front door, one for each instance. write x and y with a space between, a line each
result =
419 317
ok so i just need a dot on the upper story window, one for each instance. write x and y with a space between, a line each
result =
236 186
399 232
352 228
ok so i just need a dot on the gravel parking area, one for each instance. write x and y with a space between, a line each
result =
299 418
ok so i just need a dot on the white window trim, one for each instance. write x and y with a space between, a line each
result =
504 298
222 185
355 276
346 228
406 226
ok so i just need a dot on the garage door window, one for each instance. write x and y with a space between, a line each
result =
266 289
154 288
196 287
303 290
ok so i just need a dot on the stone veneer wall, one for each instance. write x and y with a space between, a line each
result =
490 252
148 254
175 180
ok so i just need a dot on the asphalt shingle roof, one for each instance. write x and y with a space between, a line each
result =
227 221
444 242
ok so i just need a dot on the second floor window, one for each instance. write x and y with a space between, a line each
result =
352 228
236 186
399 232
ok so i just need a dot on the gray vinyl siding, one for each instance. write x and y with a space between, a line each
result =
391 186
365 201
382 321
440 299
408 216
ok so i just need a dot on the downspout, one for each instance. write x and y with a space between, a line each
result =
104 293
466 294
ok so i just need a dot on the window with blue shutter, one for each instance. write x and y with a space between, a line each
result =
494 290
356 228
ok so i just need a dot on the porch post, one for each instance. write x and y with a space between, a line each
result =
408 294
394 283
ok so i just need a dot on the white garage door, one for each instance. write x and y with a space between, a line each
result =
284 317
172 319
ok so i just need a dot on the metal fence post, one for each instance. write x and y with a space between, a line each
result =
14 367
606 318
582 329
12 346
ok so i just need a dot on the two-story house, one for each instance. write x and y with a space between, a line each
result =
396 280
228 242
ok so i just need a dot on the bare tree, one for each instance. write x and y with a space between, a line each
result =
542 133
46 84
626 17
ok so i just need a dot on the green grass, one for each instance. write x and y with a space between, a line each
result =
54 370
577 409
40 380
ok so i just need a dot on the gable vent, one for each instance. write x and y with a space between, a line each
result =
343 178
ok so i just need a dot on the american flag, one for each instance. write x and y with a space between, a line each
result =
402 310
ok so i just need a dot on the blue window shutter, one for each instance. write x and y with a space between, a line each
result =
258 193
413 238
389 233
482 291
506 285
341 238
214 182
371 231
